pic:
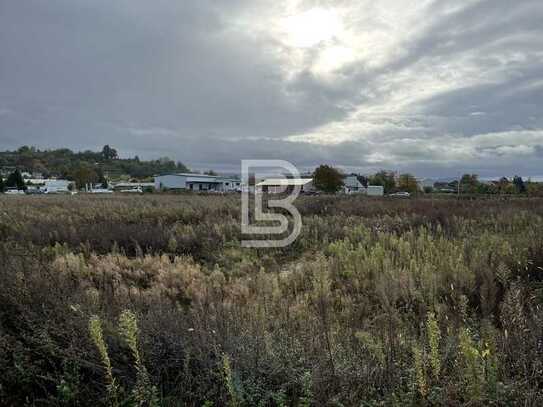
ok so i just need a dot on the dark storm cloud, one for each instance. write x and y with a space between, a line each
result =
137 63
208 82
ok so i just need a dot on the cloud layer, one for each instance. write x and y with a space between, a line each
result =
433 87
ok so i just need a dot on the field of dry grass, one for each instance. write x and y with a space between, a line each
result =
150 300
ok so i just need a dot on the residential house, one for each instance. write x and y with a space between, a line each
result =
351 185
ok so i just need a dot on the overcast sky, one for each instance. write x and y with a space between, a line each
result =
433 87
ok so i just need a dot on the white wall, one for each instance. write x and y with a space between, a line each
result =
170 182
231 185
57 185
375 190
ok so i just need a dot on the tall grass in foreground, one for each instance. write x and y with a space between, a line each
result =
377 303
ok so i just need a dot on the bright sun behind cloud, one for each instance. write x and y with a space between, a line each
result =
310 27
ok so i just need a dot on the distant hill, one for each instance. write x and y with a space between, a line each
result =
85 166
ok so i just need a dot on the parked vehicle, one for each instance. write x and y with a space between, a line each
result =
402 194
34 191
53 190
14 191
132 190
101 191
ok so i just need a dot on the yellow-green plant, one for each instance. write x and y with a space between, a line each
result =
434 336
233 398
144 393
97 336
420 371
490 356
472 366
307 394
172 245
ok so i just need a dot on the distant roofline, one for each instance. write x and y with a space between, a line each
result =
188 174
284 182
116 184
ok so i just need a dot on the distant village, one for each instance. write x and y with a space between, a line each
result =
104 172
385 183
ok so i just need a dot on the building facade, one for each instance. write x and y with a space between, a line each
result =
280 185
351 185
196 182
51 186
375 190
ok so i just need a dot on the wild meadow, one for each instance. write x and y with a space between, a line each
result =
150 300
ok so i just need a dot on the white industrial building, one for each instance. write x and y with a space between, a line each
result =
51 186
196 182
133 186
279 185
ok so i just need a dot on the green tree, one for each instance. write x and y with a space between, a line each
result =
327 179
83 174
2 185
408 183
385 179
109 153
26 150
505 186
181 167
469 183
101 178
488 188
62 162
534 188
518 182
15 180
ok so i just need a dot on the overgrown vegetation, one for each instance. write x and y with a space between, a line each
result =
151 301
85 166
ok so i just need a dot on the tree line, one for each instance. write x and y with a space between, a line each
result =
14 180
470 184
330 180
86 167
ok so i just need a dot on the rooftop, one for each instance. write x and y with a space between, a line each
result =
284 182
195 174
189 174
